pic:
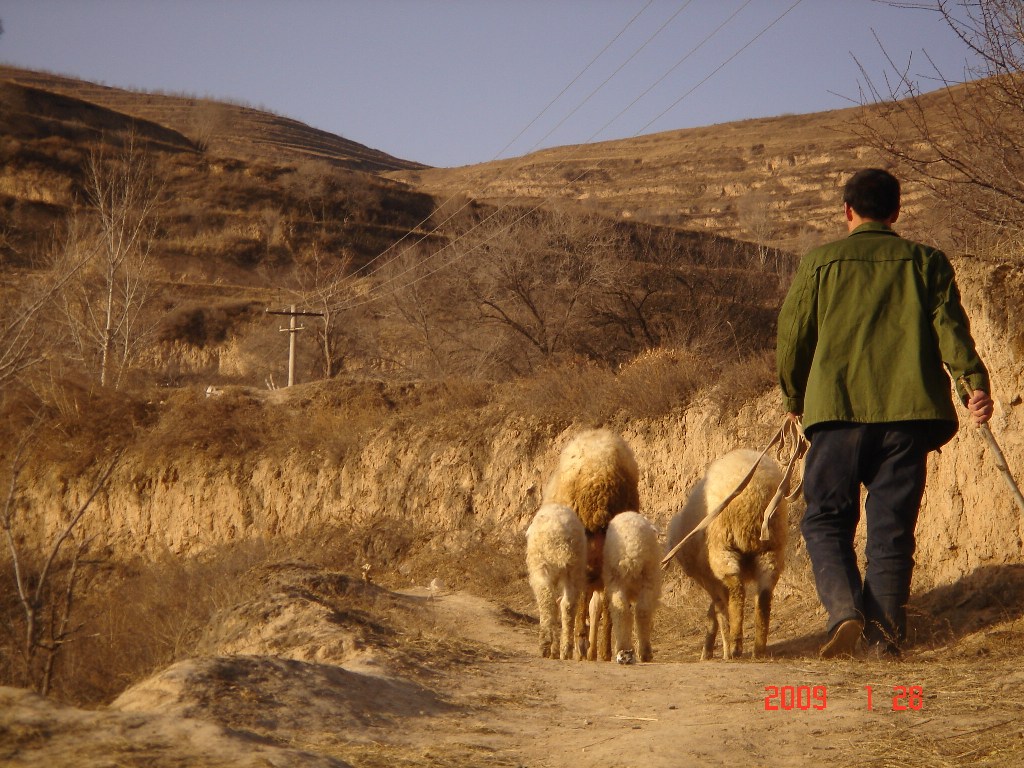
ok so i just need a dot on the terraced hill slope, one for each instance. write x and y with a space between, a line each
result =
228 129
771 180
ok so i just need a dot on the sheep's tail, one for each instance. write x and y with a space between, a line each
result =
790 430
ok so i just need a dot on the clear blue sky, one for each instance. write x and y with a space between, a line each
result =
454 82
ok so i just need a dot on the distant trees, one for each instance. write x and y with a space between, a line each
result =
968 145
425 325
510 292
520 291
632 307
109 244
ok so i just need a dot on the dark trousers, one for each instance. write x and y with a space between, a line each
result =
890 460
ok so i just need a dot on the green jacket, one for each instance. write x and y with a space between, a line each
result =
866 328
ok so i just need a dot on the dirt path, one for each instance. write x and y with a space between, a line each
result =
472 690
535 712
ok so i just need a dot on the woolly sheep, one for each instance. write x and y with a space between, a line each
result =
597 476
729 551
632 585
556 558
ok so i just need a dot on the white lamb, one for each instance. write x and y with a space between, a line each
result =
597 476
556 559
730 550
632 585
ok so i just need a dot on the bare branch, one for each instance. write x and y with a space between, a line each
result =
963 141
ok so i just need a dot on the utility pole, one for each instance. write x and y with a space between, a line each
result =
291 330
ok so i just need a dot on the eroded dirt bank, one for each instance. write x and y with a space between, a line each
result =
467 486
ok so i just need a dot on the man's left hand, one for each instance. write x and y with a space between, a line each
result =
980 405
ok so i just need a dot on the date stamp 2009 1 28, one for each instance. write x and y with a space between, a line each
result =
806 697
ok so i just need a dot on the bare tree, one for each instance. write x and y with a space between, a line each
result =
46 580
322 287
23 342
757 218
428 325
965 141
540 278
208 119
20 346
650 298
274 228
114 238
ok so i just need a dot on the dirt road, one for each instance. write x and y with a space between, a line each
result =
536 712
486 698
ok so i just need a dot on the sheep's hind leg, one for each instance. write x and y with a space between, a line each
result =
621 619
768 577
599 644
547 608
583 624
762 612
644 625
593 608
711 635
606 628
569 605
737 597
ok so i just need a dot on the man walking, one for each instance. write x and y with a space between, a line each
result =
866 333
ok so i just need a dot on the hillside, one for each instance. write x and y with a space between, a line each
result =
774 180
249 230
226 128
332 574
222 215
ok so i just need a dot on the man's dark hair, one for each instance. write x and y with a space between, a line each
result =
873 194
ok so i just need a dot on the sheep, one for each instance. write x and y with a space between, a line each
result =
597 476
632 585
730 550
556 559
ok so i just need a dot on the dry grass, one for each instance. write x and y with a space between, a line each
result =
139 617
744 379
653 384
658 381
955 691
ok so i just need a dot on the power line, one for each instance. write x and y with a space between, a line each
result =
583 71
720 66
675 66
613 74
380 288
560 163
509 144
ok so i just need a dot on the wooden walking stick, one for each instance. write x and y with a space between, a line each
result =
1001 464
997 453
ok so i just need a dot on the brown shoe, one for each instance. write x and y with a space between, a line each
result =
844 640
